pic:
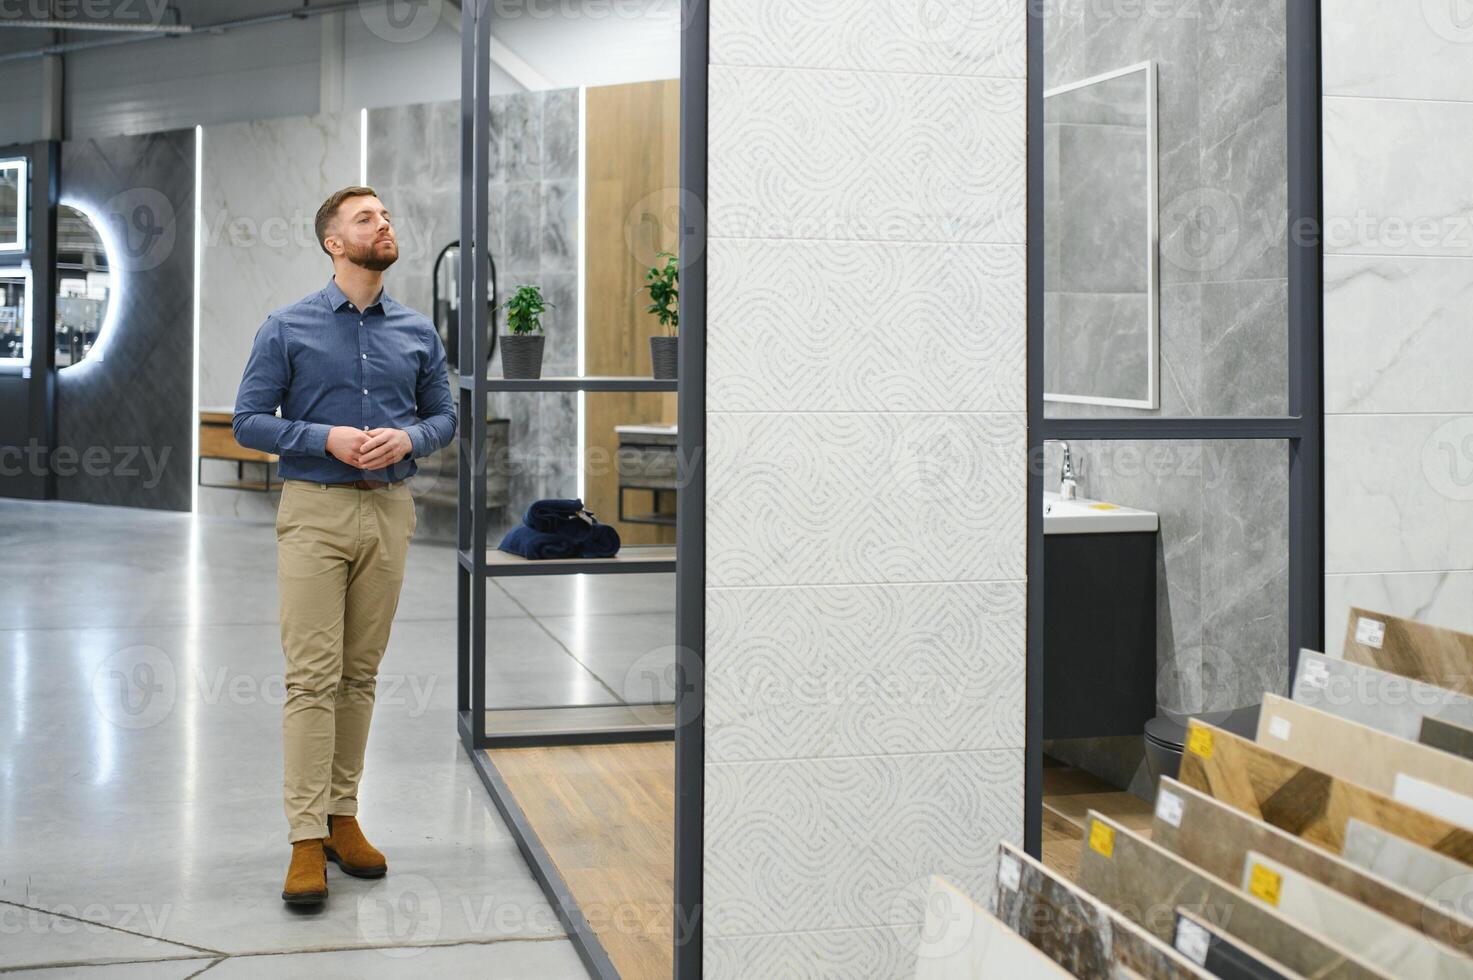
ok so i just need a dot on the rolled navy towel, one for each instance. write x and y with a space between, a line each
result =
552 514
538 545
602 542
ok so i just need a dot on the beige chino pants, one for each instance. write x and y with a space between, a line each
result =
339 565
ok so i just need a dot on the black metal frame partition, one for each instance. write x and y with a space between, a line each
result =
1302 428
476 564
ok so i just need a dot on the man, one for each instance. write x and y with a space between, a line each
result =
363 391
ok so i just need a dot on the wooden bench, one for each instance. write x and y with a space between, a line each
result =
217 441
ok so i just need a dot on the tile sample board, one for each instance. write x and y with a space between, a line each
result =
1376 939
1217 838
1447 736
1076 930
1355 752
1373 697
961 940
1304 801
1446 883
1433 654
1220 954
1148 883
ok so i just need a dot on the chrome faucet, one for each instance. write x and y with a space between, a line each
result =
1068 487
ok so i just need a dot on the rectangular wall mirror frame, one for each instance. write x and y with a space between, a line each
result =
1102 285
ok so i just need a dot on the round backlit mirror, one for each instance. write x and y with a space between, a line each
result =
83 285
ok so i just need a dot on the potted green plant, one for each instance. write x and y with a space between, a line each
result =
521 345
663 284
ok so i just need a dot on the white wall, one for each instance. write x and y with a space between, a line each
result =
262 183
277 69
866 464
1398 133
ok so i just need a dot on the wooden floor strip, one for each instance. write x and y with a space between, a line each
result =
606 815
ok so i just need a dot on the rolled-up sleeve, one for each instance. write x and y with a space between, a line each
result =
436 406
267 375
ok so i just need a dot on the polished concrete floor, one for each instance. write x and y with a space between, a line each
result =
141 832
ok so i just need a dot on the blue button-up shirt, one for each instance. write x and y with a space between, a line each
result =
327 363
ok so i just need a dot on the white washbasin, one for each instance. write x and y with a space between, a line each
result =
1081 516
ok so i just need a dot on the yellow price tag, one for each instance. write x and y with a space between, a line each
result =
1102 838
1199 742
1264 883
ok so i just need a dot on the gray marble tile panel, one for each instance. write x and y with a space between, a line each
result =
1374 697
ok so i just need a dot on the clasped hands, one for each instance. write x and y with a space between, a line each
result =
371 449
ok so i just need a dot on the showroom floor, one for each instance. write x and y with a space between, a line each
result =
140 815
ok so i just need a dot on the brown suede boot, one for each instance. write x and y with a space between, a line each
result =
306 879
346 847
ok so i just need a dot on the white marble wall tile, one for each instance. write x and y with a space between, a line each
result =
1440 598
1392 185
1409 50
856 155
808 845
263 183
1393 325
987 37
839 498
1398 493
851 670
865 326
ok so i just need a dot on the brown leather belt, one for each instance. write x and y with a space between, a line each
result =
365 484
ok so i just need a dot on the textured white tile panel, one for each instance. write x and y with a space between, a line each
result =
841 498
865 326
852 670
853 155
878 953
986 37
808 845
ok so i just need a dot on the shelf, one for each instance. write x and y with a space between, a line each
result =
635 558
570 383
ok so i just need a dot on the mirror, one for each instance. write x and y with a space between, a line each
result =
15 320
83 285
12 205
1101 274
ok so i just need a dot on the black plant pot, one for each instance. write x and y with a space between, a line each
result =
664 355
521 355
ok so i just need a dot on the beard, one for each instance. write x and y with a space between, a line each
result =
375 256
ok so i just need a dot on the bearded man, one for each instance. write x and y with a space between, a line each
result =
362 388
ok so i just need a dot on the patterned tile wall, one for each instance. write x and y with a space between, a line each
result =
1398 107
866 473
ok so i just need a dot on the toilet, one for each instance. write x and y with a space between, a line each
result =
1166 737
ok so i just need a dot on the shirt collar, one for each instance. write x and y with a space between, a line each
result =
337 299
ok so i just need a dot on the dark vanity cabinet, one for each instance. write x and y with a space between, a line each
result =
1099 653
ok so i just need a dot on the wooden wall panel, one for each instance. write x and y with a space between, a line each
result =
631 200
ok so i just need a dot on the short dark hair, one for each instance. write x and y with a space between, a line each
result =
329 209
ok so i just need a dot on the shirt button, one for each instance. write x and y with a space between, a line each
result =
364 356
365 391
360 323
